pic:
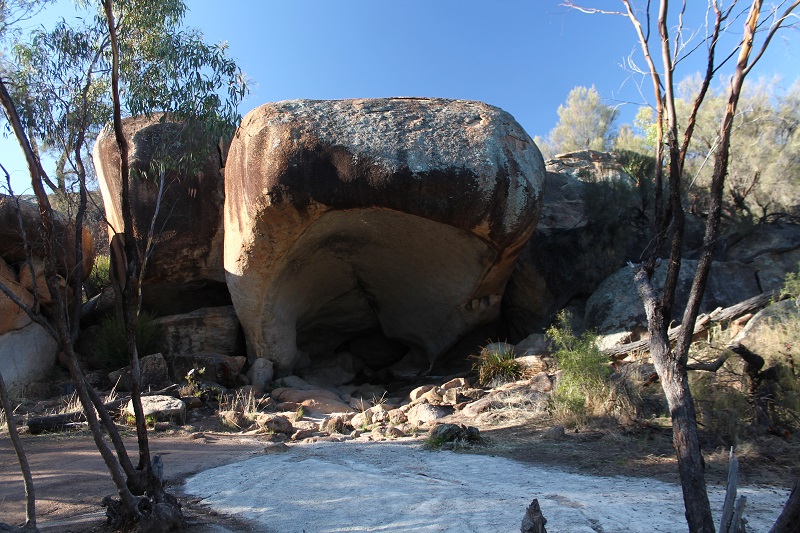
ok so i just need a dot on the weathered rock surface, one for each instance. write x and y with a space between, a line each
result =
185 270
767 332
26 354
616 306
402 214
208 330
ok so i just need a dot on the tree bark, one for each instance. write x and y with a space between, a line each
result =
789 520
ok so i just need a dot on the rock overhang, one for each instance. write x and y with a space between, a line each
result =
373 193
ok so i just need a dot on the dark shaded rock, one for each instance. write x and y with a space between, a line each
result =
188 245
616 306
219 368
154 374
208 330
452 432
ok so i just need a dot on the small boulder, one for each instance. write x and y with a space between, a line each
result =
417 393
554 433
163 408
541 383
425 413
274 423
535 344
452 432
477 407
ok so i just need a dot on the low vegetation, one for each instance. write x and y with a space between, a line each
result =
497 364
111 344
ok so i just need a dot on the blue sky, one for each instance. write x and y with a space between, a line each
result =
521 55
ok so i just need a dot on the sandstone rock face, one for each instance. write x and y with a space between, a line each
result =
401 214
26 354
185 270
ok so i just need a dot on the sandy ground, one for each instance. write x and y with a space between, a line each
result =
389 487
70 478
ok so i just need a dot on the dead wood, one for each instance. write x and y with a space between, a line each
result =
717 316
533 521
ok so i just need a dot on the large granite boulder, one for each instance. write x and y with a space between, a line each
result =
184 271
403 214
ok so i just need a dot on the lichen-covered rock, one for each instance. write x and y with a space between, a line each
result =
184 271
164 408
403 214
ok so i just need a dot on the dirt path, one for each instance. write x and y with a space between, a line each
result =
70 478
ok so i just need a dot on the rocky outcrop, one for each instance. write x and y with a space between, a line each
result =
404 215
616 305
592 222
185 269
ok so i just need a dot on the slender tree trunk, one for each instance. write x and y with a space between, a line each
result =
30 494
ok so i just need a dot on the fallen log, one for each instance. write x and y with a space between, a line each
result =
703 322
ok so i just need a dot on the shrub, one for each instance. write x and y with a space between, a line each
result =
99 278
583 385
497 365
791 285
111 343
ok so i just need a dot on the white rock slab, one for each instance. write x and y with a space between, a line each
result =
401 487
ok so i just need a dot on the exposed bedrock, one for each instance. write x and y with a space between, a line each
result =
184 271
400 216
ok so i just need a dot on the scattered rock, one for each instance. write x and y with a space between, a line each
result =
533 363
337 424
417 393
452 432
275 447
454 383
397 416
477 407
394 432
302 434
260 373
541 383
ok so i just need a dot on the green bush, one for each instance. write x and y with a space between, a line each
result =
791 285
583 385
497 365
111 343
99 278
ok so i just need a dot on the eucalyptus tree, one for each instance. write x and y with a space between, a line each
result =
659 30
131 57
584 123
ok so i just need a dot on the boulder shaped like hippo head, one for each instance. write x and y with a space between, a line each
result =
402 216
